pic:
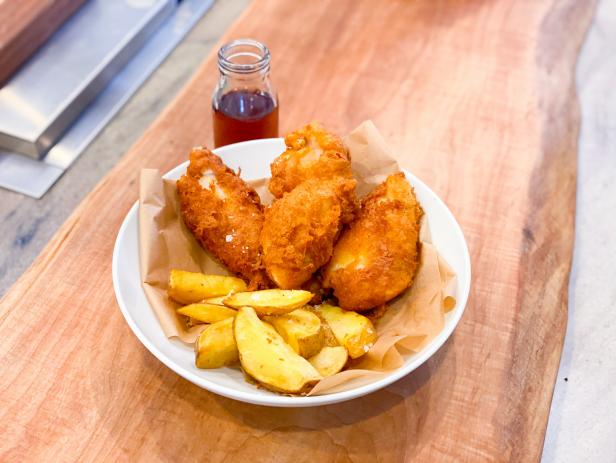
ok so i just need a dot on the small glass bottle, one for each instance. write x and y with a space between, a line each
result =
245 105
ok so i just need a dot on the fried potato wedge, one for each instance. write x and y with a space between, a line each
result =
268 359
215 347
301 329
352 330
270 301
190 322
330 339
330 360
207 313
189 287
215 300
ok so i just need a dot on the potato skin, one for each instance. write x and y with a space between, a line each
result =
351 329
215 347
301 329
376 258
190 287
270 301
268 359
207 313
330 360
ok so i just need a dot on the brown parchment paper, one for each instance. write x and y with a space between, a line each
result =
411 321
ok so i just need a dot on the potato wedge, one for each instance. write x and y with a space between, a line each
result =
268 359
301 329
328 334
193 322
188 287
207 313
330 360
352 330
215 300
270 301
215 347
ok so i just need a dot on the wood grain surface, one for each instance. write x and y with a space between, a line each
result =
478 100
25 25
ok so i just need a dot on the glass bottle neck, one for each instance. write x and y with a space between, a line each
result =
245 79
244 58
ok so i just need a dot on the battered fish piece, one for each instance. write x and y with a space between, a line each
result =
377 256
312 152
224 214
300 229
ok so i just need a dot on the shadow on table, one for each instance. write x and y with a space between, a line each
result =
388 422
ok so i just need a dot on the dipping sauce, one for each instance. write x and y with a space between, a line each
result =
244 115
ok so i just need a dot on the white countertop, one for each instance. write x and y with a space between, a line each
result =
582 424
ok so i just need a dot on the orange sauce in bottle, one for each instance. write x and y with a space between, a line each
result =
242 115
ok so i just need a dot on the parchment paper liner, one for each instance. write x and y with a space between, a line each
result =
411 321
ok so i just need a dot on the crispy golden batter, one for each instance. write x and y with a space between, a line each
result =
312 152
377 256
315 188
300 229
224 214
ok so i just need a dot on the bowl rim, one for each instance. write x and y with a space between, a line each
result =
296 401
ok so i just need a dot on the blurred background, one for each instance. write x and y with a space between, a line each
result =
93 77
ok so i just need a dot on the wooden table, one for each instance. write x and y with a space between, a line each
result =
25 25
478 100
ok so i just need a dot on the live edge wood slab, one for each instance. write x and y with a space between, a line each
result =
478 100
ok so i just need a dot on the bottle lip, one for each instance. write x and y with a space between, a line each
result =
243 56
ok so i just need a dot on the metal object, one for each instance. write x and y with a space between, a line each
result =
34 177
41 101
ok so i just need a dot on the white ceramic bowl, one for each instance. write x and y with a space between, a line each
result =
254 158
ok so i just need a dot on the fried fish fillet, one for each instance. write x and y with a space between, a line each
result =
312 152
224 214
376 258
300 229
